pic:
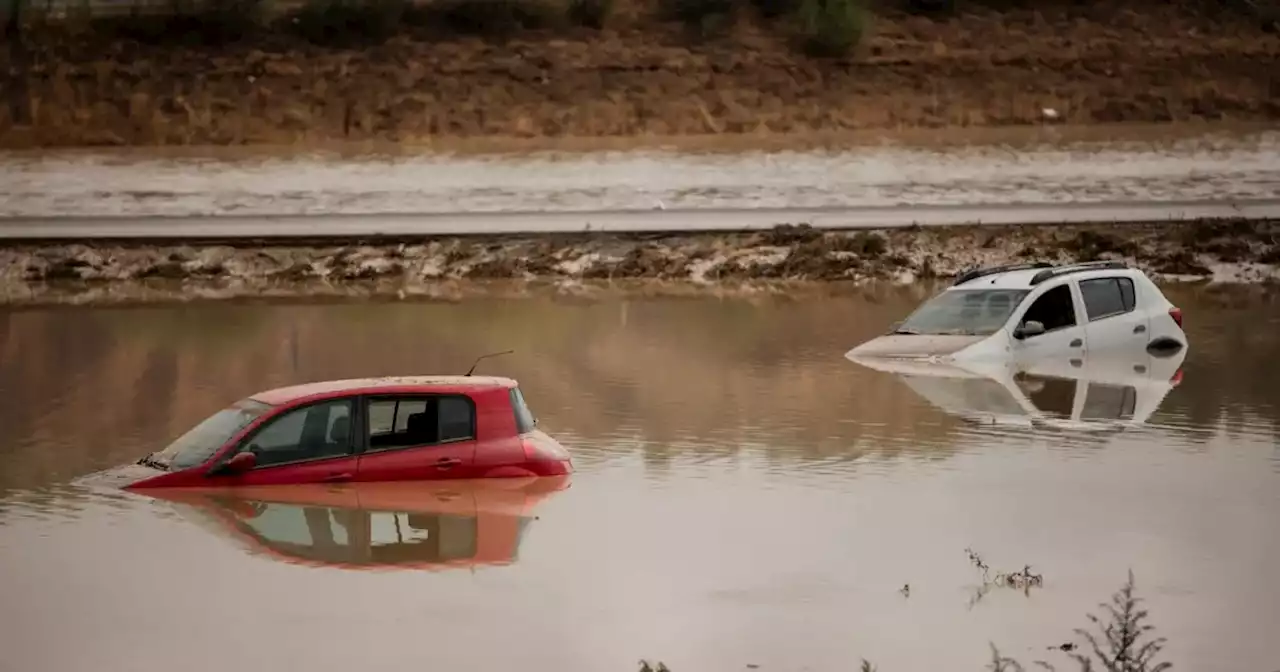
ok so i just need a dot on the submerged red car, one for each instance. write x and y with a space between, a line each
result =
373 429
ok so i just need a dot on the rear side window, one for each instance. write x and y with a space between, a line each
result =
524 417
409 422
1104 297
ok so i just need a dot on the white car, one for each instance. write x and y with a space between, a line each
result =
1029 311
1107 392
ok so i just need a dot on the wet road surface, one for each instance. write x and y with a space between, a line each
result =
745 494
101 194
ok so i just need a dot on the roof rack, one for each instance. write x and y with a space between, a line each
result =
1081 267
975 273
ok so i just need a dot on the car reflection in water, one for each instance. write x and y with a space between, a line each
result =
433 525
1104 393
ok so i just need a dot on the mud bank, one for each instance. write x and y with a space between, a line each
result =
1089 63
1232 251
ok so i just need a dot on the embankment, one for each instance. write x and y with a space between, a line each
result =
1076 63
1232 251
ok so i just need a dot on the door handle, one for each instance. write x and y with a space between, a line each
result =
1140 328
1077 343
337 478
447 462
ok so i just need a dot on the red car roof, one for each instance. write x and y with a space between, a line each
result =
389 384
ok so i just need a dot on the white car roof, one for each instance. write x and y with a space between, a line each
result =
1021 279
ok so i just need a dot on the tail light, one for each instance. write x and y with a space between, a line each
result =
1176 380
1176 314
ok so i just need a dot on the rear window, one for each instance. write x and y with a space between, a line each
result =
1104 297
524 417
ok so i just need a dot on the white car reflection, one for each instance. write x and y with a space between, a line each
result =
1100 393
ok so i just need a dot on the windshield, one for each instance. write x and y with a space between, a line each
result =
968 312
203 440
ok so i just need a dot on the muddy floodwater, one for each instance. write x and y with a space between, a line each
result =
1038 166
745 495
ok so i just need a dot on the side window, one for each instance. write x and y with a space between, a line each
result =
312 432
411 422
304 531
1109 402
421 537
390 416
525 422
1050 395
1127 293
1054 309
1104 297
456 419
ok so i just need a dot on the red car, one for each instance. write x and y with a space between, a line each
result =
433 526
375 429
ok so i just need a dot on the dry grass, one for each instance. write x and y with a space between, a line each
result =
229 72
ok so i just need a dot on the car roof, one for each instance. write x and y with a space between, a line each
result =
387 384
1021 278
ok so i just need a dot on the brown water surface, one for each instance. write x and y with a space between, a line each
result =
745 495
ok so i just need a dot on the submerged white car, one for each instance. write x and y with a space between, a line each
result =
1091 393
1028 311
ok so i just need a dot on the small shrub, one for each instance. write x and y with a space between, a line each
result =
772 9
701 15
831 28
1122 648
930 7
487 18
590 13
345 22
211 23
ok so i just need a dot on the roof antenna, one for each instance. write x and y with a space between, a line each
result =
483 357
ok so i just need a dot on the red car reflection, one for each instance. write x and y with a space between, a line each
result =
396 525
375 429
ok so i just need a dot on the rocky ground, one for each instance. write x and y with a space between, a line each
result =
1233 251
1083 62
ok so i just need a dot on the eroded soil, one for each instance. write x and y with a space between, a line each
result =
1151 62
1231 251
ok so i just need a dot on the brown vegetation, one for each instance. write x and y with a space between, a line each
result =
386 70
1242 251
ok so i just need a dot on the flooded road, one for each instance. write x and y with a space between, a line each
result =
745 495
1045 168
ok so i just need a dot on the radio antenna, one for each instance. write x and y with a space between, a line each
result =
484 357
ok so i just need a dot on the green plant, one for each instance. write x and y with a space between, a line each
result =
590 13
831 28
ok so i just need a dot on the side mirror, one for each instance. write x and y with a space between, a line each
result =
1028 329
238 464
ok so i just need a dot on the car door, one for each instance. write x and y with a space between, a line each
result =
1113 323
418 437
311 443
1058 310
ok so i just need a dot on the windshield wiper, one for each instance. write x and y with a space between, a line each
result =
906 330
153 462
